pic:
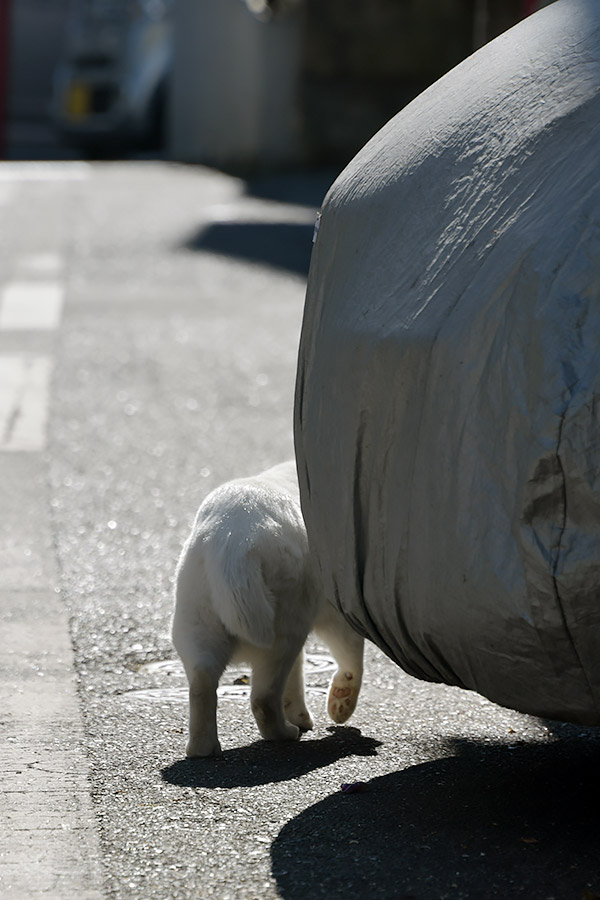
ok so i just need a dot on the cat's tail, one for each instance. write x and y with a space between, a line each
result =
240 595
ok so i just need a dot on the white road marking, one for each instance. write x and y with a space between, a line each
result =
44 171
24 394
25 378
31 306
41 264
7 192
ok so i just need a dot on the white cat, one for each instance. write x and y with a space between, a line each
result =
244 592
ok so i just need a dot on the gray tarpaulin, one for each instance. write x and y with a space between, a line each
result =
448 393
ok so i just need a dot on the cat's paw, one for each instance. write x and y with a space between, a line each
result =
343 696
272 723
283 732
202 747
298 715
286 732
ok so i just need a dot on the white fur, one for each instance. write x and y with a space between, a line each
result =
244 591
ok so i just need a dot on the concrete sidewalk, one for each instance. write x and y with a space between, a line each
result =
49 844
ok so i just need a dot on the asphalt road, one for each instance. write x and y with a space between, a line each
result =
173 363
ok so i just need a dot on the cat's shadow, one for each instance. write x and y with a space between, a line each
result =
264 762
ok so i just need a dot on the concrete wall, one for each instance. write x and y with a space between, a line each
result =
364 60
37 33
31 45
315 80
235 86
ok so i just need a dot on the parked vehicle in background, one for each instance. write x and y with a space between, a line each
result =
110 87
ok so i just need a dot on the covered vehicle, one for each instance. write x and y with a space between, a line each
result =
111 84
448 392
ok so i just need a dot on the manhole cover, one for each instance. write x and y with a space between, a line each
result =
316 666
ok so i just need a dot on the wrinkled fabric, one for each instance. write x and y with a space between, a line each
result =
448 390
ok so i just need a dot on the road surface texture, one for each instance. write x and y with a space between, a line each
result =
149 321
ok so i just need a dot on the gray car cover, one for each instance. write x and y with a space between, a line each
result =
448 391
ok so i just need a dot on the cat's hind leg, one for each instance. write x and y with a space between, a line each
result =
205 652
294 704
203 683
270 672
347 648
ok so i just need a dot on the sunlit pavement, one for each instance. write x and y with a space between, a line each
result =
149 320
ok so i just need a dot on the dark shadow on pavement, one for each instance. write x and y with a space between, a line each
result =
269 763
280 244
302 188
490 821
284 245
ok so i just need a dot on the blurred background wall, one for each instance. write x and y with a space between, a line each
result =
244 109
369 58
231 83
32 38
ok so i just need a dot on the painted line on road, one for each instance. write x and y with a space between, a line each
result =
31 306
7 192
28 305
41 264
24 398
44 171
